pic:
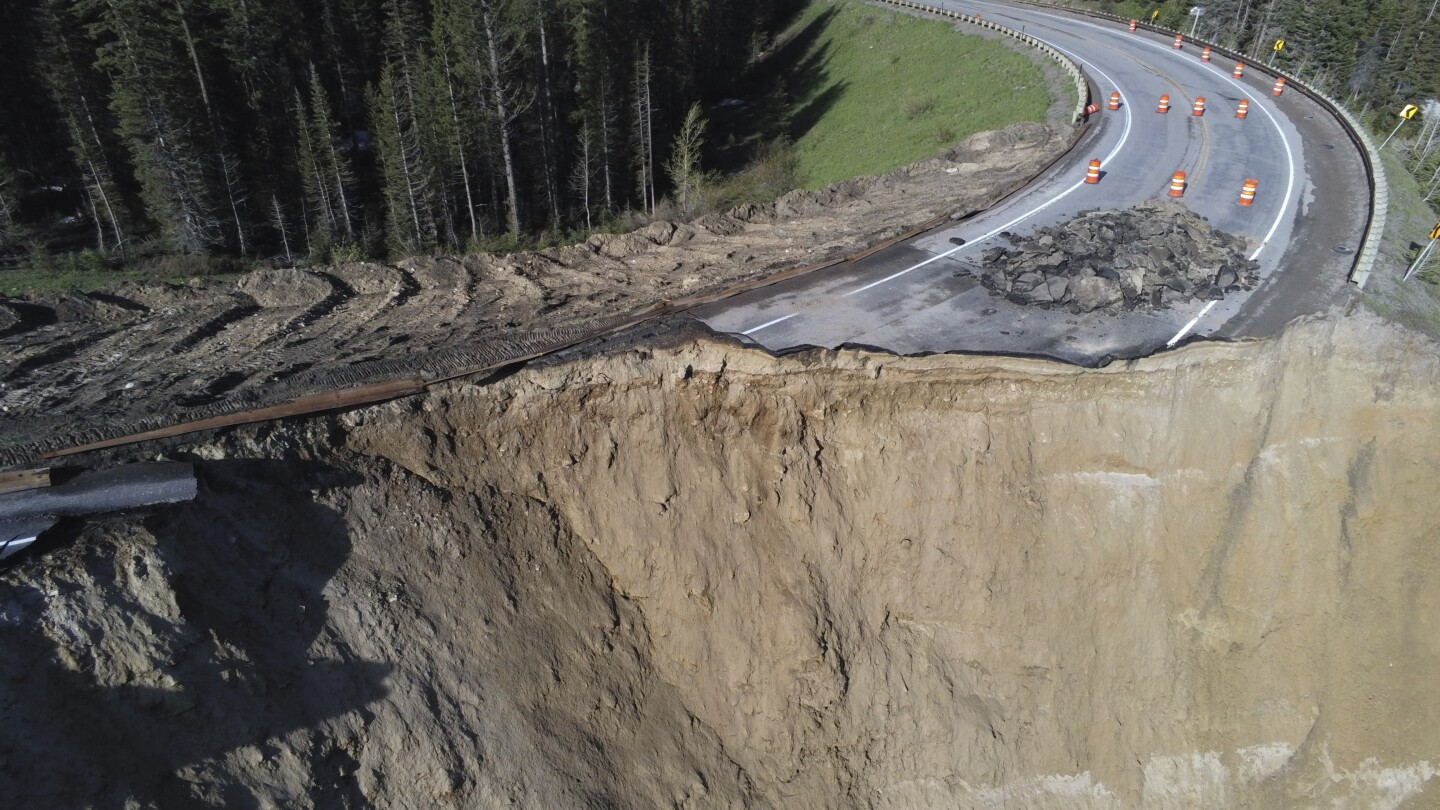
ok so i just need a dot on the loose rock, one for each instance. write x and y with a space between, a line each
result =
1152 256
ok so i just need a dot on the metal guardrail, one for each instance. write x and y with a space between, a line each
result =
1077 76
1374 169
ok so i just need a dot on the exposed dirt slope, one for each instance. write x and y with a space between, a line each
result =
72 361
699 576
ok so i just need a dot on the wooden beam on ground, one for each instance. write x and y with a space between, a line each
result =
308 404
21 480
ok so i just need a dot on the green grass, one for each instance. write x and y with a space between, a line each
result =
873 89
87 271
1415 303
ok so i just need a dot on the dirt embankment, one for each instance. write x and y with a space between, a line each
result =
699 576
73 362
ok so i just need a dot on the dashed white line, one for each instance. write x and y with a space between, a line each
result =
768 323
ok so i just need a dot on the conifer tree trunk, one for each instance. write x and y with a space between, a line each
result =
504 112
548 125
460 146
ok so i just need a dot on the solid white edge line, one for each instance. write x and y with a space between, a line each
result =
1245 93
1124 136
1191 325
769 323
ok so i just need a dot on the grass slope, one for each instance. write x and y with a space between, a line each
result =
1415 303
874 89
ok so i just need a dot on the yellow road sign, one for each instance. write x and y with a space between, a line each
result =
1435 231
1154 14
1279 45
1409 111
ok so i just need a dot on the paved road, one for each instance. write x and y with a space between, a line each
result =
1307 220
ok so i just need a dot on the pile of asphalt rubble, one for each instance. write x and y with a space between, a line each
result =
1148 257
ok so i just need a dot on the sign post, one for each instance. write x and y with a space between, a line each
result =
1424 254
1274 49
1405 115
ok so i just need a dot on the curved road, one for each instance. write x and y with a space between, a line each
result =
1307 220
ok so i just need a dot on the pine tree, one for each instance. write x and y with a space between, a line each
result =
158 126
686 177
502 52
10 228
74 91
405 187
644 136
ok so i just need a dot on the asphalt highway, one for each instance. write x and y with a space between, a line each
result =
1306 222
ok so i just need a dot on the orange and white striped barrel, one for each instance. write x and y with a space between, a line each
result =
977 15
1199 108
1244 108
1239 72
1178 39
1247 191
1177 184
1279 86
1115 100
1205 54
1164 103
1092 174
1132 25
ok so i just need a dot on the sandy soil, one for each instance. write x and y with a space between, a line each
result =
76 366
694 575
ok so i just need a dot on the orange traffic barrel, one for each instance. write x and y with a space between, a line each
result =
1247 191
1205 54
1091 109
1164 103
1115 100
1092 174
1279 86
977 15
1132 25
1177 184
1239 71
1199 108
1178 39
1244 108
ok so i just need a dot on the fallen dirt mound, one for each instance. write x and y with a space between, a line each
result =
697 576
1148 257
71 362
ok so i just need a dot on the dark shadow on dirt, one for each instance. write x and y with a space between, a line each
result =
248 562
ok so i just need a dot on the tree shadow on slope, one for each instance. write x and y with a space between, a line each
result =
791 89
247 562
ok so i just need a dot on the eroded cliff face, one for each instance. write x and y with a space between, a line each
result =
701 576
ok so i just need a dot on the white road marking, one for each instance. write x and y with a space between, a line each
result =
1284 141
1191 325
1124 136
754 329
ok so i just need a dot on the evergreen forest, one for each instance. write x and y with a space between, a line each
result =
344 128
331 129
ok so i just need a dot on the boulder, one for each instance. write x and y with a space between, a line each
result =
1092 292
